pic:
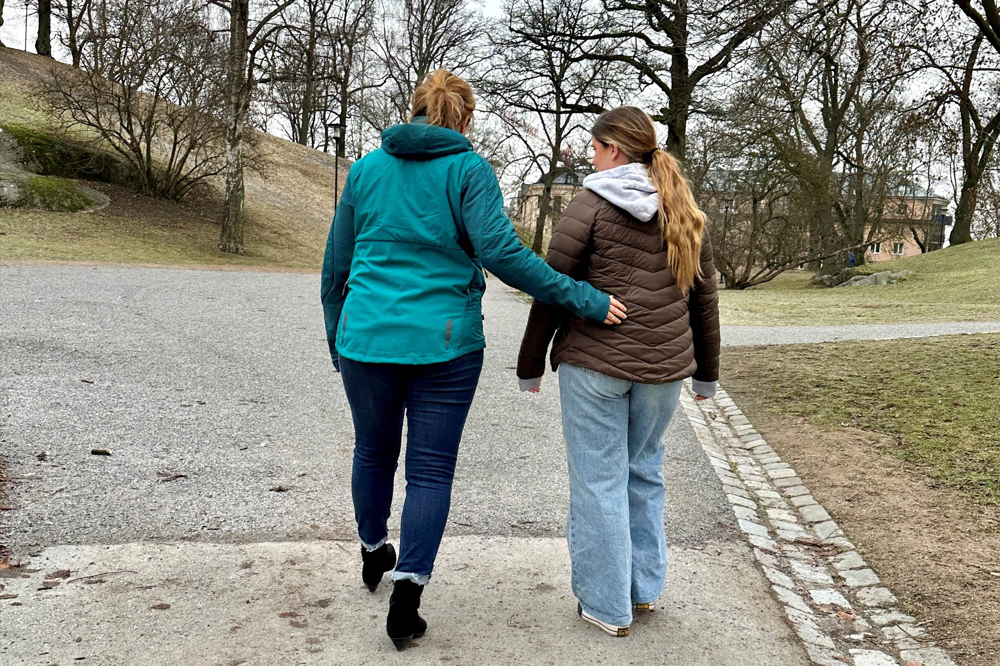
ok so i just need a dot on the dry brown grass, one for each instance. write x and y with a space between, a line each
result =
289 206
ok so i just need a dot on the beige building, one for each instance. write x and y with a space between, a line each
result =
918 212
524 212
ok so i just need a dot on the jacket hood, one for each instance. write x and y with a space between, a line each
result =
628 187
419 141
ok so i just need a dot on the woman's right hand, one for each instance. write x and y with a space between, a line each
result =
616 313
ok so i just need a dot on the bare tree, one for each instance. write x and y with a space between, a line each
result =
986 223
2 45
960 53
298 64
74 14
149 89
351 37
548 89
833 73
756 217
678 47
420 36
245 46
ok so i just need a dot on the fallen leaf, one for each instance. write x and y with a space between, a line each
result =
62 573
289 614
87 381
160 607
278 489
101 452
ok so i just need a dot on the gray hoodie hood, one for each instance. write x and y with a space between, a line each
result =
628 187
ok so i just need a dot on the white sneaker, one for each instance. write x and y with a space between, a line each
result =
609 629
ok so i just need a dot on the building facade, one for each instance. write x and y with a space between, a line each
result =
525 209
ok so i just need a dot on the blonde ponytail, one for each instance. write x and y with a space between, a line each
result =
681 221
445 99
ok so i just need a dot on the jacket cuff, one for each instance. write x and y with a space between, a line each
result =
704 389
599 309
528 384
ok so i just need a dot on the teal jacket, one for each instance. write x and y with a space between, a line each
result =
417 222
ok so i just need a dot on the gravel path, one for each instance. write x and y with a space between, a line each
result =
743 336
224 377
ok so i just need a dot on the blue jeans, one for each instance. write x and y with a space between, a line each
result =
435 400
617 546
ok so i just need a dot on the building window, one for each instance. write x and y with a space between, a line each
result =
875 248
557 205
897 248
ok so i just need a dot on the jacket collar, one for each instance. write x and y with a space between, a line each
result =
419 140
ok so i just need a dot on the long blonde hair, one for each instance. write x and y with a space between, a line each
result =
681 221
445 99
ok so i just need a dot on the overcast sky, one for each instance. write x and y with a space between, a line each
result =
12 32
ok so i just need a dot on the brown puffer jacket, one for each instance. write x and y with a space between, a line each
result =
666 336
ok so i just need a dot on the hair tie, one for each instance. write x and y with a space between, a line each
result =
648 157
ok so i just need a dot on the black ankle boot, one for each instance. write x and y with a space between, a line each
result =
375 563
403 623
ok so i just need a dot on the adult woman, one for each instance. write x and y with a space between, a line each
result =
634 231
402 284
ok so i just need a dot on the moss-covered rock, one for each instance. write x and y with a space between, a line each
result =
48 155
19 189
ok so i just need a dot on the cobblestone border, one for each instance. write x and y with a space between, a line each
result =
833 600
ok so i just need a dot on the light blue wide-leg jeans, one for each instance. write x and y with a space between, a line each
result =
613 430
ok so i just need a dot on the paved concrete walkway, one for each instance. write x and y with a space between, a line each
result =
742 336
227 495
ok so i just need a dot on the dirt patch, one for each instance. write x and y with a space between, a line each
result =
938 551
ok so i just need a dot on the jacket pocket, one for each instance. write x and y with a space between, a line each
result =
343 327
472 320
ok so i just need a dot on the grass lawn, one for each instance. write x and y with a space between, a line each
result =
900 442
955 284
933 403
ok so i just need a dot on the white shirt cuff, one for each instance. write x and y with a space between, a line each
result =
704 389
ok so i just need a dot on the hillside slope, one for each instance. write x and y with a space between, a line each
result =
288 209
960 283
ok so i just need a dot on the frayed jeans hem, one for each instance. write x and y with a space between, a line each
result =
419 579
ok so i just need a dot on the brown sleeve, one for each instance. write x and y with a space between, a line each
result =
568 252
703 305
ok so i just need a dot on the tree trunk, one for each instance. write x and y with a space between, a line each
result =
342 135
676 117
43 44
308 97
72 30
544 203
962 231
231 239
